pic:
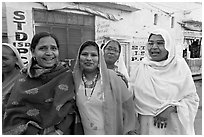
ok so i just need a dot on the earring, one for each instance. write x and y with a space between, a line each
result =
34 58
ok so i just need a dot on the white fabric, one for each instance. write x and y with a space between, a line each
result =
120 63
158 85
117 107
14 49
91 110
121 66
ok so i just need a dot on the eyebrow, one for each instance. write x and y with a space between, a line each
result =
157 40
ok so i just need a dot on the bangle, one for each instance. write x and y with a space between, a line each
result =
59 132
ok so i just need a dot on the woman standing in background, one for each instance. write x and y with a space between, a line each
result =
11 66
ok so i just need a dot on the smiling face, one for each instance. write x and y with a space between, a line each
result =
8 60
46 52
89 59
156 48
111 52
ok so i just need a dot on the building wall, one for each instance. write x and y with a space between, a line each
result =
131 29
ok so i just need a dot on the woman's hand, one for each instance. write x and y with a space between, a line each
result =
161 119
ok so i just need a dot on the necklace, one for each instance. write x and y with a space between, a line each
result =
87 84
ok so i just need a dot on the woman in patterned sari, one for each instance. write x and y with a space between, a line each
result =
43 99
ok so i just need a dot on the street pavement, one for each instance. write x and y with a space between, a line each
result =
198 122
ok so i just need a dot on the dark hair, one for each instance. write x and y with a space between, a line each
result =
88 43
38 36
119 46
154 34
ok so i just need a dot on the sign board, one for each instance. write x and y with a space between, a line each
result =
138 49
19 23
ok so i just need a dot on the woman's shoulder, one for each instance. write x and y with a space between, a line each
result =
181 61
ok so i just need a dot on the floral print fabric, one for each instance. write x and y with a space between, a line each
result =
39 103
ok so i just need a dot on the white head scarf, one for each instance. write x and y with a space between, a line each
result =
121 64
169 46
19 62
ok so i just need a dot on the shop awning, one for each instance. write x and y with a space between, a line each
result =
191 25
79 7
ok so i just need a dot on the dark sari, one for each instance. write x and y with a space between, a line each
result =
41 102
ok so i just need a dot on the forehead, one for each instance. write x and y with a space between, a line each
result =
113 44
156 37
90 48
7 50
47 40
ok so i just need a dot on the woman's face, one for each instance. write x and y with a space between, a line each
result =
111 52
8 60
89 59
46 52
156 48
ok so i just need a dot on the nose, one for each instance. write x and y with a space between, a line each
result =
48 52
154 45
89 57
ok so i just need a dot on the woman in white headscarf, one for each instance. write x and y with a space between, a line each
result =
104 102
114 59
164 90
11 66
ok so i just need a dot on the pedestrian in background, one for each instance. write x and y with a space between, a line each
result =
104 102
11 66
42 100
112 53
164 90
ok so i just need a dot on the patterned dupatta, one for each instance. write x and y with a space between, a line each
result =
41 99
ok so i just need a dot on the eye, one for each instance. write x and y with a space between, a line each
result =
84 54
42 48
160 43
94 55
4 58
151 43
54 48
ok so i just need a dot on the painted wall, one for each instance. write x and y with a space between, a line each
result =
132 28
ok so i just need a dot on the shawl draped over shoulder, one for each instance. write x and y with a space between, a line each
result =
118 109
158 85
41 101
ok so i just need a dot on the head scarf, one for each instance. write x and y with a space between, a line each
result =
157 85
112 94
19 63
169 46
102 69
120 64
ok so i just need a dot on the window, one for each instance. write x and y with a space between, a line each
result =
155 19
172 22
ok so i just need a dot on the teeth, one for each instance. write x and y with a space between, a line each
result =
48 59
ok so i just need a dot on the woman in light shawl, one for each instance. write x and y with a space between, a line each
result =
104 102
112 52
166 97
11 66
42 100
